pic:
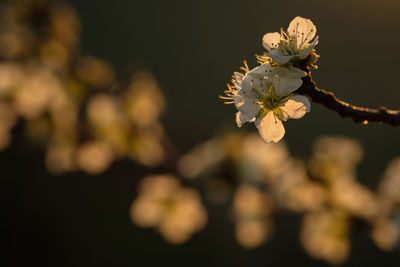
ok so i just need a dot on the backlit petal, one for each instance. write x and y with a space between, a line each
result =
303 54
254 86
286 84
270 128
278 57
241 119
262 70
271 40
248 107
295 72
295 107
303 29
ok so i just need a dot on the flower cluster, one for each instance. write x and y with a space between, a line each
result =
69 101
175 211
266 95
261 181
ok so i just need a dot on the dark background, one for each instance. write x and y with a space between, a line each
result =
192 48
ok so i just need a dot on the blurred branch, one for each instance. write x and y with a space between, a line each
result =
358 114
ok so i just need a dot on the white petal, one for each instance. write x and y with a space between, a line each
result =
262 70
303 54
248 107
286 84
237 80
289 71
254 86
278 57
271 40
296 107
303 29
240 119
270 128
295 72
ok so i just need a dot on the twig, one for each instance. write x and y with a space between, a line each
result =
358 114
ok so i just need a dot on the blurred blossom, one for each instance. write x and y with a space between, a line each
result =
175 211
46 81
108 122
271 159
95 72
102 110
335 156
64 24
251 210
295 191
143 100
28 25
11 45
253 158
111 124
235 158
35 93
64 118
324 235
10 76
252 233
390 184
94 157
385 234
201 158
54 54
354 198
147 149
343 150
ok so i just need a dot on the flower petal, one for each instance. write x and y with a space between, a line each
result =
291 71
248 107
295 72
303 54
303 29
286 84
270 128
237 80
295 107
254 86
241 119
278 57
262 70
271 40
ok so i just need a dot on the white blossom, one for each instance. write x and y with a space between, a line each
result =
264 95
296 43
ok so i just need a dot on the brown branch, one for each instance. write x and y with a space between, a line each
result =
358 114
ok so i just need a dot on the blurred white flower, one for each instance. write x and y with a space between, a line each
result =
265 96
295 43
94 157
389 187
385 234
324 235
175 211
252 209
